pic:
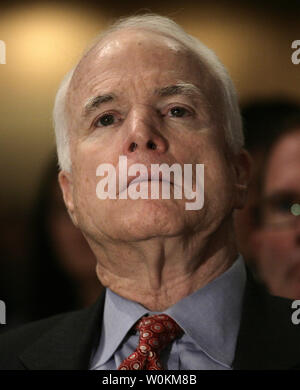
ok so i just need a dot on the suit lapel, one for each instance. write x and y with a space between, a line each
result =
68 345
267 338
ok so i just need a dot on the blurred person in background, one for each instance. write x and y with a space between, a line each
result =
55 270
62 265
267 248
263 119
277 240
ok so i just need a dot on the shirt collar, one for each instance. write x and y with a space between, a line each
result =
213 325
211 315
114 330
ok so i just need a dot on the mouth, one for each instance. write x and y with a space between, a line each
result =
143 178
139 179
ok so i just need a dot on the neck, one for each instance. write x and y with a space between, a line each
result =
159 272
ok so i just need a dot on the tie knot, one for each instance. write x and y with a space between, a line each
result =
157 331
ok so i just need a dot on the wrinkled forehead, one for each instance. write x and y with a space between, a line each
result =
125 43
120 50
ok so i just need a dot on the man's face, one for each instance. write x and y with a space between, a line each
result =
278 242
134 73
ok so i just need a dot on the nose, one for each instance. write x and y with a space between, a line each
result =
150 145
144 133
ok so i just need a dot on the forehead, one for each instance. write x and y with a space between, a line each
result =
147 57
283 169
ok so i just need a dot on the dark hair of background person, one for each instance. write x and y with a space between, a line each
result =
265 119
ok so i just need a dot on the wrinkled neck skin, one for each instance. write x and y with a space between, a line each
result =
159 272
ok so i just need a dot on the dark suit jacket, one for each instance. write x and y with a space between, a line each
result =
267 338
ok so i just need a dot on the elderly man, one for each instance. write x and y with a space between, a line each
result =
177 295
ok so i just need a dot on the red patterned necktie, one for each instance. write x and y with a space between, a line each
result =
156 332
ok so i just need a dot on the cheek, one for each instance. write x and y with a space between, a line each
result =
85 182
202 148
87 156
218 177
276 245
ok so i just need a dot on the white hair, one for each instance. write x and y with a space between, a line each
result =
232 124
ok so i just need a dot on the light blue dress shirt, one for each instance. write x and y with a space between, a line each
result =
210 319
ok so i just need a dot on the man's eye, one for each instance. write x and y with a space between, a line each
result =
281 206
284 206
178 112
105 120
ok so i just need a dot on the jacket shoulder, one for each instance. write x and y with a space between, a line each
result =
14 341
268 338
61 342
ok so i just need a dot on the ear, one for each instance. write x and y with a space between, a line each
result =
66 184
243 172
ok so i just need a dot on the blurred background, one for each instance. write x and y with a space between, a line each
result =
43 41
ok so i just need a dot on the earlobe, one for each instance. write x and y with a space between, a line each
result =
66 185
243 172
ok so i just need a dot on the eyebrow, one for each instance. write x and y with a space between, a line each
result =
179 89
187 89
94 102
281 195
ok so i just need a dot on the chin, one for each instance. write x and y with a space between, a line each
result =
143 219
